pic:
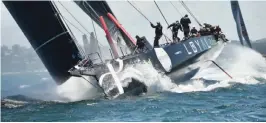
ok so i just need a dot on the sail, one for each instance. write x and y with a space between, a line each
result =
47 34
95 9
86 44
92 45
240 24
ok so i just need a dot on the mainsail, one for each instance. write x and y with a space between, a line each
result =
95 9
240 24
47 34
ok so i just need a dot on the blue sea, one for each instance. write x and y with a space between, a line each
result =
32 95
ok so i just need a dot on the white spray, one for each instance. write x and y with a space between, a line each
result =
77 88
242 63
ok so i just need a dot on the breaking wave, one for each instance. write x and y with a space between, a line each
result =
245 65
77 89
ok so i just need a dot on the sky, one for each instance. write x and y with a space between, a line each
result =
213 12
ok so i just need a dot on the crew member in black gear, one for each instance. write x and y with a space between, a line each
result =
176 26
218 30
158 33
185 21
140 42
209 29
207 25
194 31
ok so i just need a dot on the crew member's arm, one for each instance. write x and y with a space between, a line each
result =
153 26
170 25
189 21
181 27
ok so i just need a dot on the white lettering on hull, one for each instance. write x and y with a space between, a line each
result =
178 52
188 52
202 44
194 48
197 42
207 44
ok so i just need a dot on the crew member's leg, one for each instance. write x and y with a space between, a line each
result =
174 36
186 32
156 40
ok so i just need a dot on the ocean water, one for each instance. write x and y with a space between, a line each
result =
216 97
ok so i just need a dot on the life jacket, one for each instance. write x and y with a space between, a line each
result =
140 43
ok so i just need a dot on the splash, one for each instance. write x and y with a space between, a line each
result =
77 89
244 64
239 62
145 72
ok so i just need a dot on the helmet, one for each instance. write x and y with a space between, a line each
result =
137 36
186 15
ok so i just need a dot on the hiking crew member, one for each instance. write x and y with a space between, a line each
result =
175 27
140 42
218 30
207 25
194 31
185 21
209 28
158 33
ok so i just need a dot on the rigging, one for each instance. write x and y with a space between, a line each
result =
139 11
72 35
176 8
73 16
96 36
188 10
166 38
161 13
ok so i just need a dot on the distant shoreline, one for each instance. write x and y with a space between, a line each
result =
13 73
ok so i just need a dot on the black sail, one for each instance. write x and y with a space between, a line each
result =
47 34
95 9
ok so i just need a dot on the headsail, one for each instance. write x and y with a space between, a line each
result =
47 34
240 24
86 44
92 45
95 9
